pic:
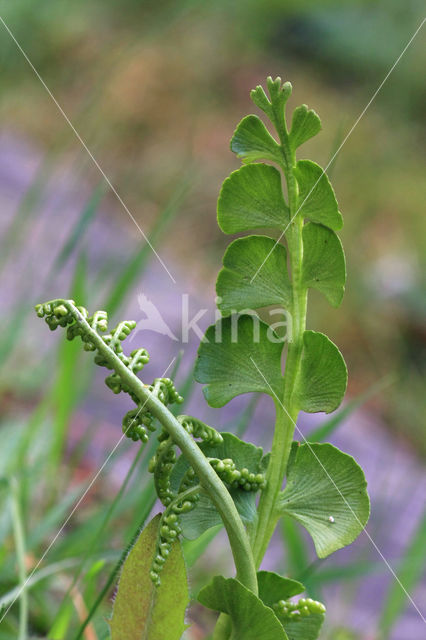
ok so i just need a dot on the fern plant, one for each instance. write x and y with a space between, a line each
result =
218 478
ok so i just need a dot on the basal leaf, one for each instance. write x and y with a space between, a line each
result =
241 360
324 265
251 619
252 198
307 628
322 378
257 257
205 515
305 124
316 196
252 141
142 610
326 492
273 587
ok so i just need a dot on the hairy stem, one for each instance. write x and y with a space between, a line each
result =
209 480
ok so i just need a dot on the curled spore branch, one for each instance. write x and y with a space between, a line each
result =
152 401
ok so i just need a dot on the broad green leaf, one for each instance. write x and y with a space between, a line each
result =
257 257
252 141
305 124
273 587
307 628
324 265
252 198
205 515
321 381
142 610
326 492
241 360
316 196
251 619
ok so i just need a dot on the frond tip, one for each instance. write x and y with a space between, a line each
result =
138 422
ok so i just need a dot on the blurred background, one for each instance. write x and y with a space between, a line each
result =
155 90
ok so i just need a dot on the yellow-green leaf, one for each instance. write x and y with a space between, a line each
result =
142 610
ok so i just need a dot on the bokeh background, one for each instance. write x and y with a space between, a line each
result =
155 90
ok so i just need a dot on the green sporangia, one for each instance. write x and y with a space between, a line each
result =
203 477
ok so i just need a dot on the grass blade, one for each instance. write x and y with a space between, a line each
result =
297 555
409 572
193 549
79 229
97 538
133 269
66 392
19 536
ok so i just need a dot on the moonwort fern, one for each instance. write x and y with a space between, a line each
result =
216 480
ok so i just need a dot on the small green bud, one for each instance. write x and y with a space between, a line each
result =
154 577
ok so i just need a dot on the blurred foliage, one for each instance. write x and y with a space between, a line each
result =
154 89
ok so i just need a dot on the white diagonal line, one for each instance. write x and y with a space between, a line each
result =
342 496
76 506
86 148
344 141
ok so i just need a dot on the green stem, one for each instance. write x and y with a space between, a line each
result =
209 480
18 531
285 411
